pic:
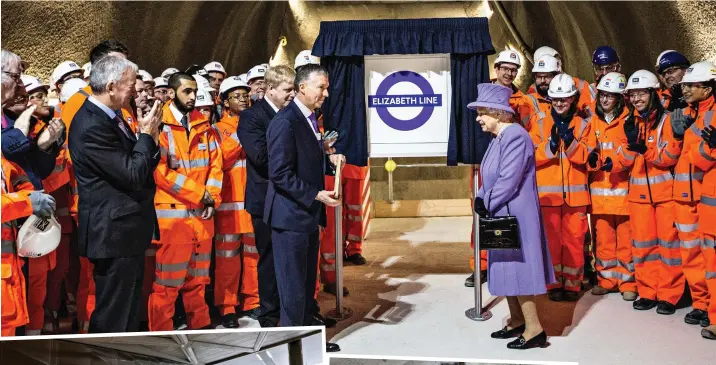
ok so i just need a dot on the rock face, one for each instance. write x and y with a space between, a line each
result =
243 34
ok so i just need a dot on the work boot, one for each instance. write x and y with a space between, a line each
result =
696 316
644 304
629 296
705 322
356 259
230 320
252 313
665 308
331 288
709 333
571 296
598 290
470 281
556 295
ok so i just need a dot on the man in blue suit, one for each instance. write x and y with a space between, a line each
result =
295 197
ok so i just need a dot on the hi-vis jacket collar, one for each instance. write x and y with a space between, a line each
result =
195 118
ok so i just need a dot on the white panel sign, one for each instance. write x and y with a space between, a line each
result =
408 105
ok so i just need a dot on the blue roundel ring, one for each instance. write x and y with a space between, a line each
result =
425 88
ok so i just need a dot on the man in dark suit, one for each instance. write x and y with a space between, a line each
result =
295 197
114 171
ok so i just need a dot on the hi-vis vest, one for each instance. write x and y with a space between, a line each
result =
687 177
704 157
231 216
587 96
188 167
562 177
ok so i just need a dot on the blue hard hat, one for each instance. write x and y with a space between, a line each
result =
604 55
672 58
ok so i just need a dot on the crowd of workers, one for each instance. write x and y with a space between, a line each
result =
636 153
53 290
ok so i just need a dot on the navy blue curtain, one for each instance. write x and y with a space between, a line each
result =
342 45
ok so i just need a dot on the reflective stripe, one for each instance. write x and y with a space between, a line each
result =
572 270
558 188
548 151
616 275
59 168
172 267
669 155
558 268
644 244
652 257
354 218
698 176
62 212
250 234
606 145
169 282
353 238
178 213
710 275
329 256
691 244
7 246
606 263
572 283
652 179
628 266
707 200
193 164
170 141
235 138
669 244
328 267
200 257
686 228
227 237
213 182
227 253
609 192
353 207
702 152
710 243
250 249
572 147
178 183
197 272
20 179
212 145
627 156
239 163
224 207
671 261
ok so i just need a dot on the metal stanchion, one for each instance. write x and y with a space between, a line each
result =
340 313
477 313
390 184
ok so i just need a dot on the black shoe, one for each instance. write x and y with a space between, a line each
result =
331 288
319 320
505 333
696 316
521 344
230 320
644 304
556 295
705 322
180 323
332 347
708 334
665 308
470 281
571 296
252 313
356 259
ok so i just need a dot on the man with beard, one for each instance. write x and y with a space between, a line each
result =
189 180
670 68
544 70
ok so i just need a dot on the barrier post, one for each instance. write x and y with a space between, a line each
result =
340 313
477 313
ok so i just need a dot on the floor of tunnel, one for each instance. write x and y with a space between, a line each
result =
410 300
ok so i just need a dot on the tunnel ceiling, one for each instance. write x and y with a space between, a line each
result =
242 34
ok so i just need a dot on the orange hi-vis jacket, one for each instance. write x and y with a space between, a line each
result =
664 97
651 179
16 189
231 216
562 177
687 177
587 96
522 105
188 167
609 190
704 157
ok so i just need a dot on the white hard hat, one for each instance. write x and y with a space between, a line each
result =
256 72
202 83
215 67
700 72
63 69
38 237
168 72
88 68
160 82
71 87
145 76
546 63
203 98
508 56
562 86
544 50
306 58
613 82
32 83
243 77
231 83
642 79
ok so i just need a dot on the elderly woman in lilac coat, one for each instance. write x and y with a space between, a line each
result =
508 178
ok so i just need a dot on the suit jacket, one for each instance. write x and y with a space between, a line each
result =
253 123
115 182
23 150
297 166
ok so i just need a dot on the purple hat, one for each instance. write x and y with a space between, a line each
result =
492 96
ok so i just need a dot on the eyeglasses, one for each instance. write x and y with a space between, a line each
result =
15 76
638 94
160 91
239 96
672 70
562 100
693 86
508 70
38 96
608 96
606 68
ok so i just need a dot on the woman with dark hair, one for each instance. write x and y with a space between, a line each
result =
609 187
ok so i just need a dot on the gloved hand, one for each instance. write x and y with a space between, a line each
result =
608 165
709 135
43 205
639 148
592 159
567 136
554 139
680 122
630 129
480 208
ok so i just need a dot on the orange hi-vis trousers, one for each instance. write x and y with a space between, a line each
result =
692 257
86 295
709 251
180 268
657 254
150 260
236 272
565 228
614 261
37 290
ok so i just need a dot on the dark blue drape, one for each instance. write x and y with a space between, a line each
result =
342 45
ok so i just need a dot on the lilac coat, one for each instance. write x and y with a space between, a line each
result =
508 176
